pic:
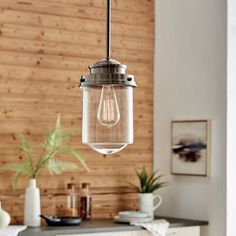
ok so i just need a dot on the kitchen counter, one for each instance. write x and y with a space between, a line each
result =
96 226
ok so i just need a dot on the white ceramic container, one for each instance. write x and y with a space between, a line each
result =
147 203
5 218
32 205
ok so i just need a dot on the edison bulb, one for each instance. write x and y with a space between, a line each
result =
108 113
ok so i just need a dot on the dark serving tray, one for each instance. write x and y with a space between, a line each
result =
61 221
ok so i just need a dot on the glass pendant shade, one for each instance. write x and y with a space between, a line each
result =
107 118
107 107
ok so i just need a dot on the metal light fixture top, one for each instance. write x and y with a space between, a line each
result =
107 71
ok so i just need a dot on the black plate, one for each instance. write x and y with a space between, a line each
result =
61 221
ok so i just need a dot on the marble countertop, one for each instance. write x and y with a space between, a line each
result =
96 226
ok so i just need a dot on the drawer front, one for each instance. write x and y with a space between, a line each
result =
181 231
184 231
125 233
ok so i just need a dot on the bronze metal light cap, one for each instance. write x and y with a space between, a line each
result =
107 72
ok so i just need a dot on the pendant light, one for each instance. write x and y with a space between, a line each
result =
107 123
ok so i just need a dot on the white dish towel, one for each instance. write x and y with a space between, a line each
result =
12 230
156 227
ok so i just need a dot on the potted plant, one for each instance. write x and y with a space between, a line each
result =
148 184
54 144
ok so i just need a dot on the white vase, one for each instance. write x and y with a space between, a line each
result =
147 203
32 205
5 218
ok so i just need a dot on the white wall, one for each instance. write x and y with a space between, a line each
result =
190 83
231 120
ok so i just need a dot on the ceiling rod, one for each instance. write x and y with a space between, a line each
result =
108 30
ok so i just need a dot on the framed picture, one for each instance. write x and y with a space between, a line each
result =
190 151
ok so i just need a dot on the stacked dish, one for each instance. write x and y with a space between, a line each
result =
132 216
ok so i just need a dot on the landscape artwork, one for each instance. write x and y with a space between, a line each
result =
190 147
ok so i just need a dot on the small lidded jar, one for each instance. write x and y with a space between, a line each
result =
72 202
85 202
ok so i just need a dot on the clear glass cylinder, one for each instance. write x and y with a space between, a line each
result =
85 202
113 137
66 202
72 204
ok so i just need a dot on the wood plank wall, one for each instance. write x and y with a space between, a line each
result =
45 46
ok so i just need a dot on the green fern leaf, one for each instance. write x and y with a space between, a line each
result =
52 145
75 154
15 179
12 167
25 145
53 139
58 167
22 168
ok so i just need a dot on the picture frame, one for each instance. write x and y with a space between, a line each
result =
190 147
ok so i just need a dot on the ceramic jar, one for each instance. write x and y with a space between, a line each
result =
147 203
5 218
32 205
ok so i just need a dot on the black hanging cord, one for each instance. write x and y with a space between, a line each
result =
108 30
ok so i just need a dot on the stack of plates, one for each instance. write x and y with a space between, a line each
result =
132 216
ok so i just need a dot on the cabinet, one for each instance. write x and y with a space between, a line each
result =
184 231
121 233
180 231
